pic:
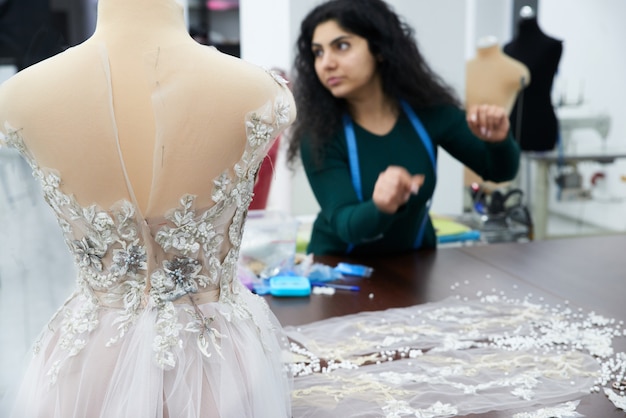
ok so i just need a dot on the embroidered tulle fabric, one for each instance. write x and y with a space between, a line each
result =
455 357
180 337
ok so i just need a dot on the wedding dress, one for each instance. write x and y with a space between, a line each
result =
158 324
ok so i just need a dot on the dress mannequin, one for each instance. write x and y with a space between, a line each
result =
535 124
492 77
147 145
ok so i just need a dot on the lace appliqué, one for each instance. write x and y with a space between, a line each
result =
110 257
167 330
277 77
398 409
190 234
566 410
75 327
208 335
102 234
194 238
618 400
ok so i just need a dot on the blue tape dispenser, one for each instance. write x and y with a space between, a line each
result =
290 286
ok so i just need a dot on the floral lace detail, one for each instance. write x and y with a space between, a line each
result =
282 107
178 278
260 133
277 77
618 400
181 276
207 335
103 234
75 327
194 238
167 336
111 255
566 410
189 235
397 409
13 139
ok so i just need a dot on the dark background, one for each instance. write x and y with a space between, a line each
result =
33 30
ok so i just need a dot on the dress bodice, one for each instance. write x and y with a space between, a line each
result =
192 248
129 261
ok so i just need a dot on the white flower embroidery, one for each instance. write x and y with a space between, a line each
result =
129 259
89 253
566 410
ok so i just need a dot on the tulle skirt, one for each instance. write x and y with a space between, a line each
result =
246 378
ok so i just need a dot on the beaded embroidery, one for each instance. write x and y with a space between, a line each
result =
111 255
566 410
522 353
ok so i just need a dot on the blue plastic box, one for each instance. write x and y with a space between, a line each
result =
290 286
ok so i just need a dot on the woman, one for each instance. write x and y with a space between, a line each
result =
371 117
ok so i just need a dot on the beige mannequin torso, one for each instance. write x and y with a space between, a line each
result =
493 77
178 108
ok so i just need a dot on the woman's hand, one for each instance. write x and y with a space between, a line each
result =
394 187
488 122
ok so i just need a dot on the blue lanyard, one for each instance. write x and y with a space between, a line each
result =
355 173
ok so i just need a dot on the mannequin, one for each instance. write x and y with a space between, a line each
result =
527 12
147 144
492 77
535 124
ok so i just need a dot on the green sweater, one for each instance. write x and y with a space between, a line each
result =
344 220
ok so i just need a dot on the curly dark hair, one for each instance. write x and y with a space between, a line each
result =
404 72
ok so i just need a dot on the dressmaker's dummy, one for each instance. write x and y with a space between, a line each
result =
538 130
495 78
147 145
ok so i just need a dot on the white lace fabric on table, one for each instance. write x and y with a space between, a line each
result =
449 358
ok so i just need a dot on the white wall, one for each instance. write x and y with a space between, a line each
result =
271 45
592 59
487 18
6 72
593 66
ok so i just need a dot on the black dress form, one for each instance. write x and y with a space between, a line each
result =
26 32
538 126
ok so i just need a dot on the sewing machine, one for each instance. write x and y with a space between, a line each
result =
566 157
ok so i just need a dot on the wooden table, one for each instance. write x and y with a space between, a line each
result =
587 272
